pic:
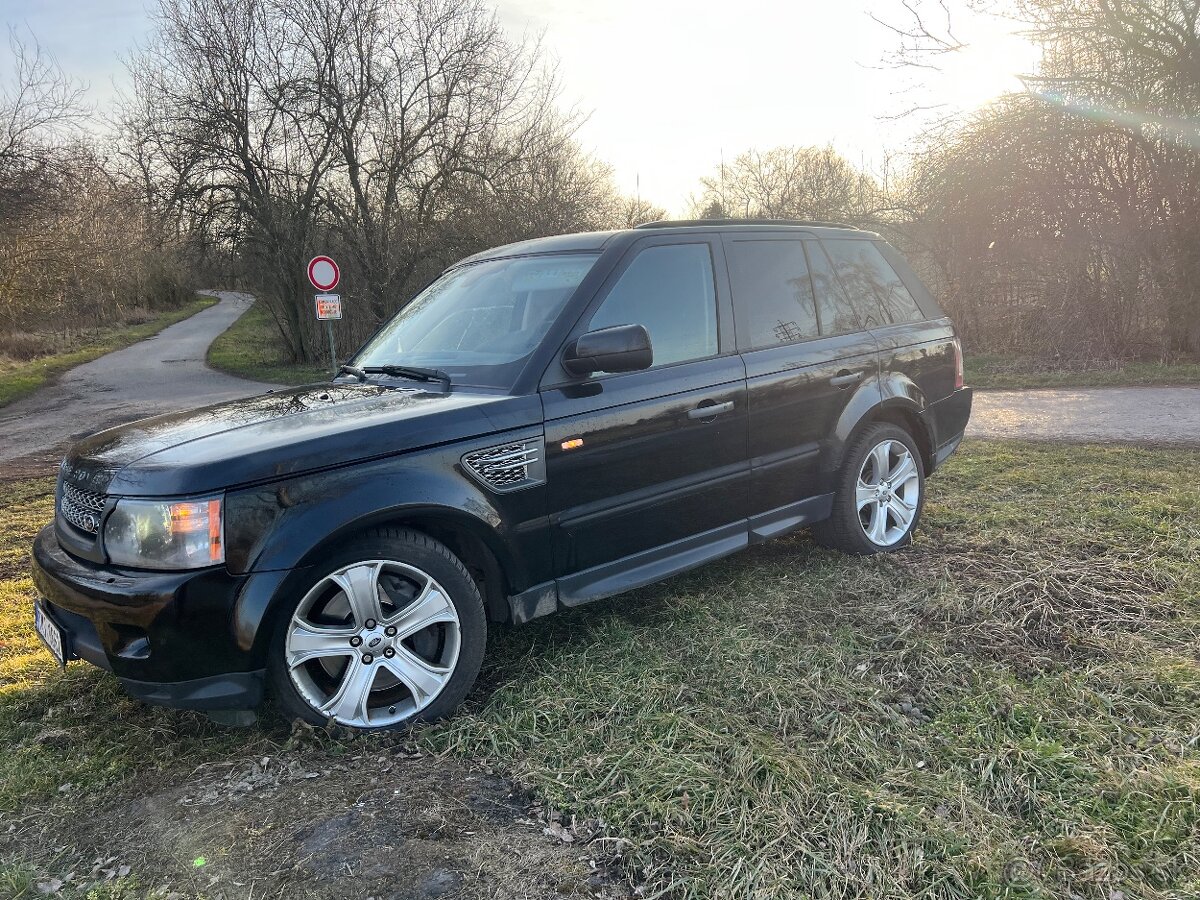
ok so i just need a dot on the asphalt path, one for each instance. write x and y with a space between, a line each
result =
160 374
1135 415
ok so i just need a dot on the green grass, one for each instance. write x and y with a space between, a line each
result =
18 379
1010 708
251 348
997 371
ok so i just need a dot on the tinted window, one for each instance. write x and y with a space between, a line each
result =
773 291
669 290
836 313
868 278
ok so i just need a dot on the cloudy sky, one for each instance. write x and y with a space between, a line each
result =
670 85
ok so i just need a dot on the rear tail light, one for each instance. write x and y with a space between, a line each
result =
958 364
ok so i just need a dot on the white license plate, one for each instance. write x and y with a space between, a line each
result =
50 634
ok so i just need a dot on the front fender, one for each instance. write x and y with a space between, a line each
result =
279 532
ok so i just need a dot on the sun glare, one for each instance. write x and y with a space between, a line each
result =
990 65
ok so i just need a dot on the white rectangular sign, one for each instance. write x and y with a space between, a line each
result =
329 306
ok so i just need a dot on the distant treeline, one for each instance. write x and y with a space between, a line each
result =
400 135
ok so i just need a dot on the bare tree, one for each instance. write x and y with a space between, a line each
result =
399 134
75 251
636 211
41 110
1064 221
790 182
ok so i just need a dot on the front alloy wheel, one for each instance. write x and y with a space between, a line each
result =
380 641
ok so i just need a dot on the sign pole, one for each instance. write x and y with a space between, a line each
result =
324 275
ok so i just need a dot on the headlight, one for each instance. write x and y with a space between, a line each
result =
165 534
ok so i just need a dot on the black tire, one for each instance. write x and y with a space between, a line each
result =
422 552
844 530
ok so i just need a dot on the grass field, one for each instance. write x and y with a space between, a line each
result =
251 348
993 371
20 378
1010 708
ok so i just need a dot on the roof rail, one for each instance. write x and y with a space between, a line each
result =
683 223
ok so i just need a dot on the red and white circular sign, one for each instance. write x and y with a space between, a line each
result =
324 273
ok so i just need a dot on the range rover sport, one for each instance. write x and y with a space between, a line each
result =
548 423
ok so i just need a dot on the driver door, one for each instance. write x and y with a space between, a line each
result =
648 471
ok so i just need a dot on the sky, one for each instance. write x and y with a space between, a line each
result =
669 87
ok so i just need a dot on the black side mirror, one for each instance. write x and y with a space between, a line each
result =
622 348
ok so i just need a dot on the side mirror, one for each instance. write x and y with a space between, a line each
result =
622 348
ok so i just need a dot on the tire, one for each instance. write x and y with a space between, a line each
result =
409 655
853 527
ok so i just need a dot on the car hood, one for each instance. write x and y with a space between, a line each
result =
284 433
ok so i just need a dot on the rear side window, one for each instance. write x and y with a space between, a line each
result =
872 283
837 314
774 293
670 290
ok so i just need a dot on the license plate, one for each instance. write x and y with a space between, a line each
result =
50 634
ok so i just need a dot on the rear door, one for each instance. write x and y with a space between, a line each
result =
806 353
651 462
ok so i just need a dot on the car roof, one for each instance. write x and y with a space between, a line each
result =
582 241
594 241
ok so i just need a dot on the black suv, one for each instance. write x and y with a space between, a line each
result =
548 423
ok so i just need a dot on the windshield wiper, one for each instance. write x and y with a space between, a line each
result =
414 373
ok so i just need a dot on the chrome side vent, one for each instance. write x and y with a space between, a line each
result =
509 467
83 509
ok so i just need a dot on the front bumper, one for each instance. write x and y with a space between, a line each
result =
168 636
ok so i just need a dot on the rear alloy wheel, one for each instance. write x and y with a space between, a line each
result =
385 640
880 493
887 493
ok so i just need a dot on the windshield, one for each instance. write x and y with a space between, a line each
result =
480 322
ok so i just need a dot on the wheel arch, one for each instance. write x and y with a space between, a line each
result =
900 411
473 540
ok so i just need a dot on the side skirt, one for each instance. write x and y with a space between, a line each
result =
649 566
780 521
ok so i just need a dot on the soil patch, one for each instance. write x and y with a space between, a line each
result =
382 822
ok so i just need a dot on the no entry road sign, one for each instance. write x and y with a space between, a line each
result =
324 273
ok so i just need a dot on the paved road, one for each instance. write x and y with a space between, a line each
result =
161 374
1142 415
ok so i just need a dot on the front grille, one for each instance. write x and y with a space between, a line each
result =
508 466
83 509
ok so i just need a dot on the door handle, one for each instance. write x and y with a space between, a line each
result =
844 378
710 410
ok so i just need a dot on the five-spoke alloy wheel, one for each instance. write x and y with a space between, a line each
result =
880 491
887 492
383 638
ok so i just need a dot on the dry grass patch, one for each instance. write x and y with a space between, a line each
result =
1004 372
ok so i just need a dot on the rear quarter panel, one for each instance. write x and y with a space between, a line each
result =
917 368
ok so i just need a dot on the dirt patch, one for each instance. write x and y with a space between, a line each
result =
363 820
36 465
